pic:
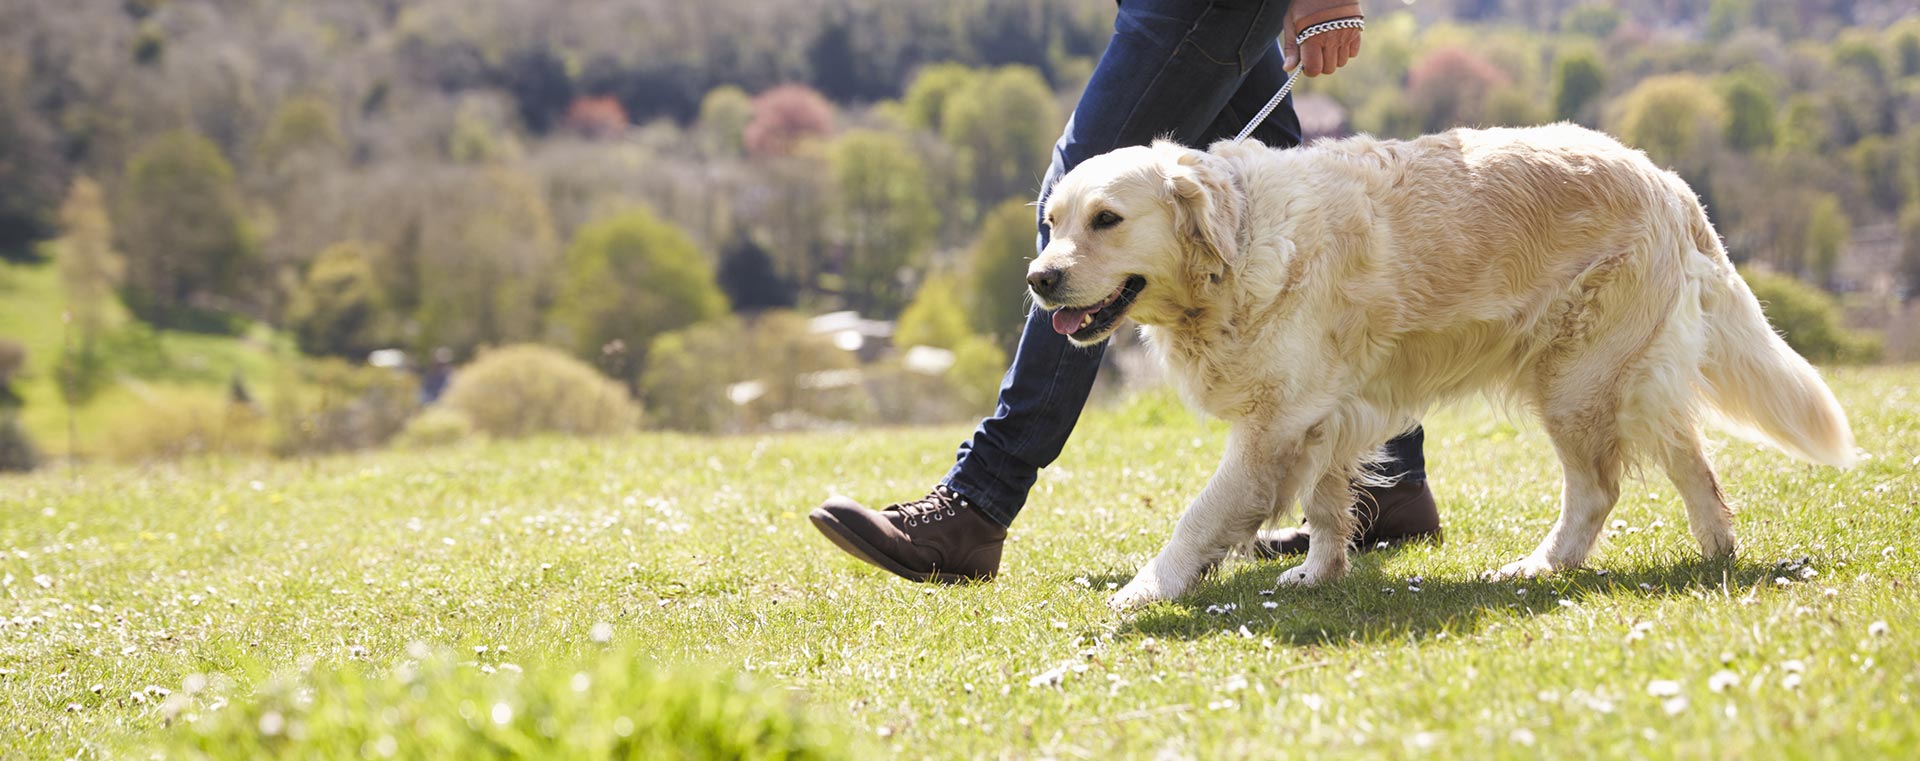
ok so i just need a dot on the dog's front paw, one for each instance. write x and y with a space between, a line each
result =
1137 594
1309 573
1529 567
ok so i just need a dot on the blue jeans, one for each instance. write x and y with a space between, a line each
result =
1193 71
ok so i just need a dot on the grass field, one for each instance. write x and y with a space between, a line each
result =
531 597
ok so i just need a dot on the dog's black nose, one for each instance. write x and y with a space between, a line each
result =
1044 281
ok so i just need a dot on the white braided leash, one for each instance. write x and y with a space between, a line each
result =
1324 26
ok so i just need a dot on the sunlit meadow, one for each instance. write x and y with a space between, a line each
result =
661 594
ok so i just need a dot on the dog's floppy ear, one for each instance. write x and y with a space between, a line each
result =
1206 207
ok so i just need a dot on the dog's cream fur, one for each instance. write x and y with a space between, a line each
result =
1322 299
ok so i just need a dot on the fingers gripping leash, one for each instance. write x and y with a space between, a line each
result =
1267 110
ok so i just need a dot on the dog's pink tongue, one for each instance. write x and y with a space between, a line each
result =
1066 321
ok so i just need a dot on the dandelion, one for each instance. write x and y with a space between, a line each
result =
1721 680
1878 629
1791 682
1050 678
602 632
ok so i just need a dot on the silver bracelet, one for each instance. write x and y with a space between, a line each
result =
1351 22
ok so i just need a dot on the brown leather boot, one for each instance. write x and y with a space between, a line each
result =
1388 515
939 537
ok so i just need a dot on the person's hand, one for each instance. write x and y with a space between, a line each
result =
1326 51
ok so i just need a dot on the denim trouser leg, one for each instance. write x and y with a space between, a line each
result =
1192 71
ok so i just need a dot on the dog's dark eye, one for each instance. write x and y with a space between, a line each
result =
1105 219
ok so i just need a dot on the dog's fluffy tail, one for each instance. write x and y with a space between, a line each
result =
1753 378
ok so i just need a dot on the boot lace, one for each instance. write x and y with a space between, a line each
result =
940 504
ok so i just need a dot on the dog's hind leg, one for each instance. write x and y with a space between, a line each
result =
1684 459
1590 456
1330 524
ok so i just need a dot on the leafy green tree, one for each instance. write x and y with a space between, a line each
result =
1724 17
184 229
306 126
338 308
31 173
629 278
476 264
724 114
1001 126
1578 79
925 104
90 270
1876 161
1803 129
1750 113
937 316
1593 20
1828 230
997 271
1670 117
884 213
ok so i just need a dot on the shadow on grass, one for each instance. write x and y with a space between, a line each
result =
1369 606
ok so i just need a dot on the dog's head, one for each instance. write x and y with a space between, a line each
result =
1137 231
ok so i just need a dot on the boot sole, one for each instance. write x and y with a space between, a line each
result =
852 544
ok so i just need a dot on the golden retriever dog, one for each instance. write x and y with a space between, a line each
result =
1321 299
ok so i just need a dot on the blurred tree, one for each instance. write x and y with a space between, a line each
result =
1803 130
1449 88
1724 17
783 117
305 126
184 229
90 269
1578 80
724 114
597 117
997 272
936 317
1750 113
688 373
1002 126
1593 20
884 214
479 255
925 103
1910 250
32 173
480 134
338 308
541 89
1828 230
1670 116
1512 106
1877 162
749 279
1906 49
627 279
